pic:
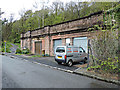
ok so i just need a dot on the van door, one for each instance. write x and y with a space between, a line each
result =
75 54
60 53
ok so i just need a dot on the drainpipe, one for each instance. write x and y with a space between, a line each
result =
49 39
30 41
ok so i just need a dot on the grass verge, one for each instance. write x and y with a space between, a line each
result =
36 56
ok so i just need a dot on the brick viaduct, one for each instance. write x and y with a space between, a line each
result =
69 29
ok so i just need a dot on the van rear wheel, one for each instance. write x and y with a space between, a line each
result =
59 62
70 63
85 60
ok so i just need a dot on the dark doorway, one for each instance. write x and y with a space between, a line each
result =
38 47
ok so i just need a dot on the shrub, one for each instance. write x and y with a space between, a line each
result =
2 49
110 65
8 50
26 51
8 46
18 51
104 47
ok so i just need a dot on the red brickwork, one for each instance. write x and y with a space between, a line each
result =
63 41
49 33
47 49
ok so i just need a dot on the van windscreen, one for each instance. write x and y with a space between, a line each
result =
60 49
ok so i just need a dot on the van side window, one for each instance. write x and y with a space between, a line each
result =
80 50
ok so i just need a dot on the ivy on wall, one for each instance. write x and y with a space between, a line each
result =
105 46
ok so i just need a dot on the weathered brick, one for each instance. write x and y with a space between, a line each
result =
47 41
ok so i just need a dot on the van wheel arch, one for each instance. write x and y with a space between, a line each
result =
59 62
85 60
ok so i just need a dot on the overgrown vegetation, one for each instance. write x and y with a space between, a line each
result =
8 46
18 51
24 51
104 47
104 52
18 44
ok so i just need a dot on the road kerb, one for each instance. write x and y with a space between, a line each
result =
12 57
98 78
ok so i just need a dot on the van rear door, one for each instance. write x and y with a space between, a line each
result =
60 53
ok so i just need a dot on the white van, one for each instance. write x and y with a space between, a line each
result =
70 54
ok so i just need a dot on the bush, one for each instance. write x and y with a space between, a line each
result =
26 51
2 49
17 41
103 53
8 46
109 65
8 50
18 51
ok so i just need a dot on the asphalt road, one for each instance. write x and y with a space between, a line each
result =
46 60
21 74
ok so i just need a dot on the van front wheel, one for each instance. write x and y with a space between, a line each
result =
70 63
